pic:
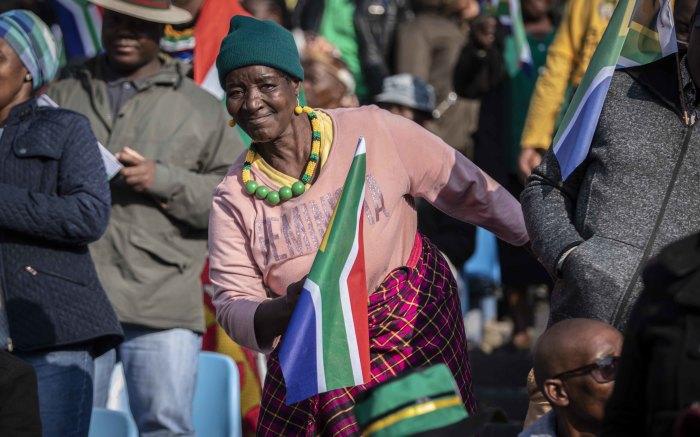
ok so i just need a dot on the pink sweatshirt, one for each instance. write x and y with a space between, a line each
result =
257 250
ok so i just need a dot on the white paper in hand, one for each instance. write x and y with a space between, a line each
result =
112 165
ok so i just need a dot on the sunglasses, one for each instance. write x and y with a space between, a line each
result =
602 371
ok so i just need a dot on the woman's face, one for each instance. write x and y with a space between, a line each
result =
321 88
262 101
535 9
12 75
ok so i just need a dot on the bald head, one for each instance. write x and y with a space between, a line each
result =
578 399
573 343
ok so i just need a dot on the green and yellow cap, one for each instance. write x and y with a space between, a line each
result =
422 400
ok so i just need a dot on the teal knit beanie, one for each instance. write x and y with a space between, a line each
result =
258 42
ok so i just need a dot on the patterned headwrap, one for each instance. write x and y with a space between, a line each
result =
33 41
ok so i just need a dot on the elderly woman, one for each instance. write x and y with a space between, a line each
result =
54 200
271 210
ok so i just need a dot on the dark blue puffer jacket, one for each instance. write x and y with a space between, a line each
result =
54 200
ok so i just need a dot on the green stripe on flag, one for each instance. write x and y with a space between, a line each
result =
605 56
503 8
326 272
94 33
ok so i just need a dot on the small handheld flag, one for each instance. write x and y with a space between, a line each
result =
510 15
639 32
326 345
81 26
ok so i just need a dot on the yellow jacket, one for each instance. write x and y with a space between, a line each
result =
581 29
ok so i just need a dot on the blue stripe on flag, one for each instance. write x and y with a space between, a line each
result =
77 41
298 352
71 37
575 143
72 42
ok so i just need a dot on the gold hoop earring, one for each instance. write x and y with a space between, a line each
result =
232 122
298 109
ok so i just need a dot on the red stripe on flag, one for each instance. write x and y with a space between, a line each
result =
357 289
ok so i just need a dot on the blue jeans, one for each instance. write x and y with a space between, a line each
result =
160 369
65 391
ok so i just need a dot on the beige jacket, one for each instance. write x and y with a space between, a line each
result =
153 251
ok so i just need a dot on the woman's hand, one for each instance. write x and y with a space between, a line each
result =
293 293
272 316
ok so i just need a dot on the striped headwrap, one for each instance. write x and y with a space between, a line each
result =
33 41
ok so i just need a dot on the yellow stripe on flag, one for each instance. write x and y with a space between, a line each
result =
628 16
645 31
328 230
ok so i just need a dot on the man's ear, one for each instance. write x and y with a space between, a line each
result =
555 392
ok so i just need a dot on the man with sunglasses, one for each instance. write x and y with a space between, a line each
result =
575 364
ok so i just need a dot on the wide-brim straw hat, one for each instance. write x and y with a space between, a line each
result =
158 11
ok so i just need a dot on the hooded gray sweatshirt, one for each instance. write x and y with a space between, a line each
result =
637 191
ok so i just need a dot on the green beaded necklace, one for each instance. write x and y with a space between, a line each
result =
299 187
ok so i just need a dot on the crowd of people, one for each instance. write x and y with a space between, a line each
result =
204 147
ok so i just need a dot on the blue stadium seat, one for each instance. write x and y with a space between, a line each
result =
482 275
484 264
111 423
217 405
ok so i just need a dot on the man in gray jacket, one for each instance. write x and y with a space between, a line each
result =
637 190
174 142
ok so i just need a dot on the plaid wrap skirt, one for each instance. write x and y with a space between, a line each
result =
414 321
